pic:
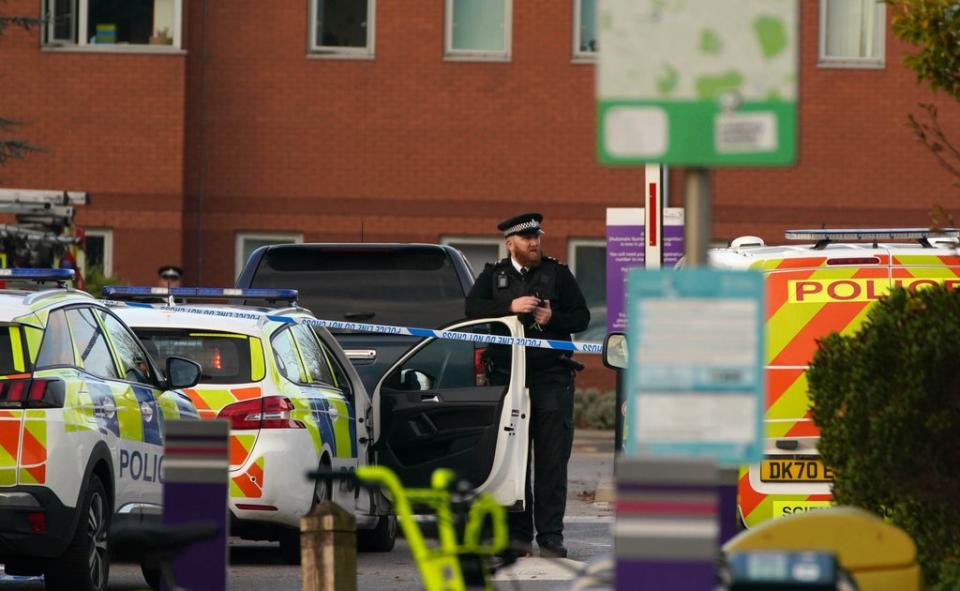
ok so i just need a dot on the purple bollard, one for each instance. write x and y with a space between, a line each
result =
195 489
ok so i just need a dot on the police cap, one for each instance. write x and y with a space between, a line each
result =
170 272
527 223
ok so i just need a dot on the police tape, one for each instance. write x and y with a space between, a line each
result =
450 335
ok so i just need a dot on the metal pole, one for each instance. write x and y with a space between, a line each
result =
698 216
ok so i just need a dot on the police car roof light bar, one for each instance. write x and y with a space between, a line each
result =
826 236
133 292
38 275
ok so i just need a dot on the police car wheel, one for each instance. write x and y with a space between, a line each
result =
85 564
381 538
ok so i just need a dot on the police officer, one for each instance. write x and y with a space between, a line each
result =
545 296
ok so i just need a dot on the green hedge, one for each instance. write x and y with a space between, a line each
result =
887 401
593 409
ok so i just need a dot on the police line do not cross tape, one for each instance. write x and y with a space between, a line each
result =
450 335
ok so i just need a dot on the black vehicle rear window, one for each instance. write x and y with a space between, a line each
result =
224 357
409 287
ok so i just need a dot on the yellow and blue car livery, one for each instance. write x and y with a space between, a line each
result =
284 387
82 413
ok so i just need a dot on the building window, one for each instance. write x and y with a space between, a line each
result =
852 33
478 29
99 250
478 250
113 24
247 242
342 27
585 29
588 261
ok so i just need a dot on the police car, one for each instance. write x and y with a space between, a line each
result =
82 413
296 404
812 289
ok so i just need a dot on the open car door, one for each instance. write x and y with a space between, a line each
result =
460 405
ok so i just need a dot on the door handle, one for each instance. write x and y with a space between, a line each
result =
429 398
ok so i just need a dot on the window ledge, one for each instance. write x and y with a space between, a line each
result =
477 57
335 55
851 64
584 58
124 49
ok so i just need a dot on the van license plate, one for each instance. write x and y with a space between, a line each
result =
793 470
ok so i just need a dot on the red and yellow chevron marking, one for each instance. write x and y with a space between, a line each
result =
248 485
210 400
33 451
757 508
240 446
9 447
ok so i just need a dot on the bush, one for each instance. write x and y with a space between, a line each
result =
887 401
95 280
593 409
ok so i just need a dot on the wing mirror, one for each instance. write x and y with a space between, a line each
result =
615 350
182 372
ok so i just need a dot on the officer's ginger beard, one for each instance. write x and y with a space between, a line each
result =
525 249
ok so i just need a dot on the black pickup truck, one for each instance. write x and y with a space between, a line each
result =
420 285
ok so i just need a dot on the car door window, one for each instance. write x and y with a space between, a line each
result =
286 356
446 364
133 359
56 348
314 357
95 356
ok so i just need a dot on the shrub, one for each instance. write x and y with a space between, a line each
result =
95 280
887 401
594 409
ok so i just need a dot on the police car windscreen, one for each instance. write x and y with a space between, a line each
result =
407 286
224 357
9 358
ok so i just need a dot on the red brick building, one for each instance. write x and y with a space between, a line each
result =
202 128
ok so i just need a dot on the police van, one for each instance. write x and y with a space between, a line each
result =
826 285
82 414
295 404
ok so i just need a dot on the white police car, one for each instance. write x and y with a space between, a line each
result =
82 413
296 404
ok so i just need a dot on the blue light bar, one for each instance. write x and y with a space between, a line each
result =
135 292
871 234
37 274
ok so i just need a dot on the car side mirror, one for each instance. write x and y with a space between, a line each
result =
415 380
182 373
615 350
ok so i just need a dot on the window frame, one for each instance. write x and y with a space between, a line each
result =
579 56
296 351
333 52
81 11
241 235
152 378
107 235
477 55
499 241
80 362
868 63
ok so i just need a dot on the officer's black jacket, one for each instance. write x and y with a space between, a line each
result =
499 284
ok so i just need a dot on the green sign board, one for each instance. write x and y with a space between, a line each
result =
698 82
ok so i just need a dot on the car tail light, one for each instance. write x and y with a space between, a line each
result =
36 393
37 521
269 412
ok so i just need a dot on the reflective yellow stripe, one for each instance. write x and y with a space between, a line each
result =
128 415
16 346
341 429
258 369
34 335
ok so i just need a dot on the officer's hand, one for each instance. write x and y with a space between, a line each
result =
524 305
542 315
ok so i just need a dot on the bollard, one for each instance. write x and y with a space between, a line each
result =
195 489
665 534
328 549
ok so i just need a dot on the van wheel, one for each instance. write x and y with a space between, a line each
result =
85 564
380 538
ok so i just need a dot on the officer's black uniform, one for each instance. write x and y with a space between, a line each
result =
550 378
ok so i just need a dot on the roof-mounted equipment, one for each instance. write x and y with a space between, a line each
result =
823 237
172 294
